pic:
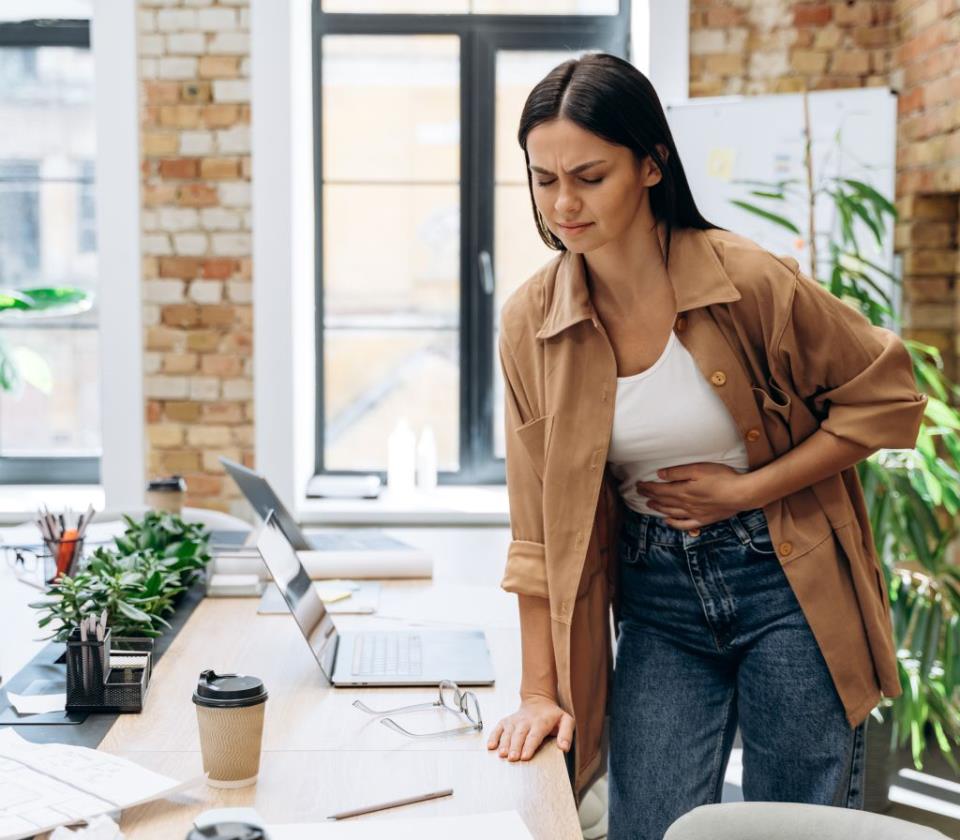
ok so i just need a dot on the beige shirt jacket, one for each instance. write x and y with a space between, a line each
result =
786 357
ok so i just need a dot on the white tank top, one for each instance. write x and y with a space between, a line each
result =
667 415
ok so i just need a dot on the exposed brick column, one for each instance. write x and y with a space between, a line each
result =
927 237
197 312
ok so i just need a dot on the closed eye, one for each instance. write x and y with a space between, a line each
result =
585 180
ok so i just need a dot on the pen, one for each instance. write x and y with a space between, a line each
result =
84 657
369 809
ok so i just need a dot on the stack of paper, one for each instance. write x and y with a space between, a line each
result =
46 785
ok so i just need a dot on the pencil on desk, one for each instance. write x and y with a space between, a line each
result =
396 803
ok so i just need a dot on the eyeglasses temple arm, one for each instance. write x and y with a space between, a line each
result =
359 704
390 724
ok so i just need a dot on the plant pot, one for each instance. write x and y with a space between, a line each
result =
880 765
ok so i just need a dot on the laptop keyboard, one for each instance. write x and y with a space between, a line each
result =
387 654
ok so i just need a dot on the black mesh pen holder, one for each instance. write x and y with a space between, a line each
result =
108 676
126 684
88 663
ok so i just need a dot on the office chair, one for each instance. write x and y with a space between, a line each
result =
792 821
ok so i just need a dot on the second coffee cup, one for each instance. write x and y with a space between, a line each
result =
230 717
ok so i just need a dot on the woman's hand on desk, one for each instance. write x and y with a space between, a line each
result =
519 735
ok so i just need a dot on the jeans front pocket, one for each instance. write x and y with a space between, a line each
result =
760 540
628 550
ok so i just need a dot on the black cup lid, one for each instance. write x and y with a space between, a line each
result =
228 690
170 484
228 831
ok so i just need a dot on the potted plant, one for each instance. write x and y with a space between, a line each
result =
138 581
913 497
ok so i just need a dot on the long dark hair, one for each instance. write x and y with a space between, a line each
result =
611 98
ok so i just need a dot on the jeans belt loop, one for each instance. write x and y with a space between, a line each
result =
642 536
739 528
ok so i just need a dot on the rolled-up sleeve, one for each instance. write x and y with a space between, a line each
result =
855 377
525 571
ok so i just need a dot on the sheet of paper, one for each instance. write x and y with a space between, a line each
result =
36 704
504 825
329 594
46 785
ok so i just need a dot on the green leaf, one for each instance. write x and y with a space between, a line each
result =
870 192
34 368
766 214
941 413
133 613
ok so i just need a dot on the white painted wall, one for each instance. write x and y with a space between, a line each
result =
114 44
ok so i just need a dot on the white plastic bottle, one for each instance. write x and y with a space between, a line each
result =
427 460
401 457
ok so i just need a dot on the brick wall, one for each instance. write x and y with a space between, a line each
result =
927 74
197 314
778 46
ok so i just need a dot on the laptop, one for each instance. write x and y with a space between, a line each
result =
370 658
263 499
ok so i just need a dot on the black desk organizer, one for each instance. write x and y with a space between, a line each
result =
93 686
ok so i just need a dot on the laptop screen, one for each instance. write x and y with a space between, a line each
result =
298 591
263 499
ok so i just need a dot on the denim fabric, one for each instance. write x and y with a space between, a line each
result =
711 636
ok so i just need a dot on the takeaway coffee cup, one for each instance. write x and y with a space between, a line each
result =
166 494
230 716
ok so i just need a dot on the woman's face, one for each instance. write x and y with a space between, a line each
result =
588 191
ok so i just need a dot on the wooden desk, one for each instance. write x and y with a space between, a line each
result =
320 755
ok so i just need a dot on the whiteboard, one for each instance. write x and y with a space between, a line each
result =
724 139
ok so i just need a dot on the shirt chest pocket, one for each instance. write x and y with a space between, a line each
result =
535 437
775 409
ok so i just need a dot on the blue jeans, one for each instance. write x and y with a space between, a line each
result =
712 636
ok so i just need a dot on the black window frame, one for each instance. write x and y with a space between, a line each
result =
45 32
481 37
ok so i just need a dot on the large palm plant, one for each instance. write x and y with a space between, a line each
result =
913 496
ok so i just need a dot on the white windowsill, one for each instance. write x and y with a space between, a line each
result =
447 505
19 502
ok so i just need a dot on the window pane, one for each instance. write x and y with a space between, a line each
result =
518 249
481 7
391 108
58 410
47 238
545 7
391 244
392 253
374 378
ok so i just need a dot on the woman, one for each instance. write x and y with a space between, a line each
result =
684 411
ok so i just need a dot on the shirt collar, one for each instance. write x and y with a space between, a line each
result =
694 270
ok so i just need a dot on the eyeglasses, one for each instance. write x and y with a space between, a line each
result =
25 562
451 697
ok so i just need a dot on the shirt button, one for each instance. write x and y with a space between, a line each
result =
753 434
718 377
694 532
786 549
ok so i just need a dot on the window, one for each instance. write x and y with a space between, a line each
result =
50 414
423 216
